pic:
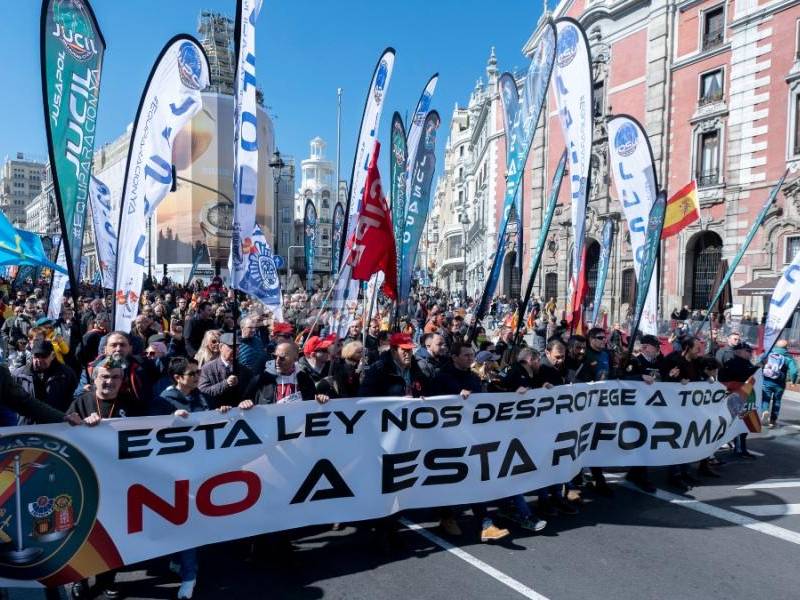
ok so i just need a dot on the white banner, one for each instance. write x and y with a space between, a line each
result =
415 131
104 221
572 78
245 140
346 291
128 490
783 303
635 180
58 285
171 98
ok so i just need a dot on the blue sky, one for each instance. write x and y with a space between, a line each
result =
306 49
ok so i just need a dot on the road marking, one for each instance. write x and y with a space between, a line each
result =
770 510
770 485
506 580
722 514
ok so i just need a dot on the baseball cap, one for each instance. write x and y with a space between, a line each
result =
315 344
401 340
485 356
44 321
227 339
42 348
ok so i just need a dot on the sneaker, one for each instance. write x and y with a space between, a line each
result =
565 507
532 524
765 417
492 533
79 589
186 590
450 526
773 424
111 592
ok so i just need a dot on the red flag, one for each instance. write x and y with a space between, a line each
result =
576 321
372 247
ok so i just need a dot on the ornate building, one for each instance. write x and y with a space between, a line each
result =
316 184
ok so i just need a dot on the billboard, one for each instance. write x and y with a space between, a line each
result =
200 210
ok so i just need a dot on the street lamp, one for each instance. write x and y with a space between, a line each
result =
464 219
276 164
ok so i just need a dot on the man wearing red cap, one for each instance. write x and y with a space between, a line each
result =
396 372
316 358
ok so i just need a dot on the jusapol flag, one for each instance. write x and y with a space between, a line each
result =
683 209
260 277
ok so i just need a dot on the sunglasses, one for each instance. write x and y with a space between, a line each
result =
602 338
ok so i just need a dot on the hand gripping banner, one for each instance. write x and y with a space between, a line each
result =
84 500
72 49
171 98
634 177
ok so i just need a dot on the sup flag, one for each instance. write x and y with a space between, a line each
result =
372 245
57 285
171 98
310 241
683 209
245 137
18 247
72 49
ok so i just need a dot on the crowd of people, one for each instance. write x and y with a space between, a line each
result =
202 348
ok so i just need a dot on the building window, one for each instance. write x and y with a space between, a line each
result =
711 87
707 171
599 98
550 286
791 248
703 257
454 247
713 27
797 40
591 266
796 126
460 172
461 150
628 286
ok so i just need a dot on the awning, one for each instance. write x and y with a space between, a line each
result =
761 286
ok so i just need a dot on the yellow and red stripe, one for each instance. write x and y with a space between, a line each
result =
683 209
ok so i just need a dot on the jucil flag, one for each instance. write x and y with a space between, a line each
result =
419 200
415 131
309 241
655 223
171 98
398 160
573 86
338 230
245 136
72 49
635 179
372 245
602 268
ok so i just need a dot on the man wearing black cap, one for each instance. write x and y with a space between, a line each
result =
219 383
45 379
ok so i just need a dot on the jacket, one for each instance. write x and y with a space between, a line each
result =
15 398
213 384
252 353
194 331
430 365
121 406
689 370
316 376
59 384
261 389
172 399
516 377
383 378
780 368
451 381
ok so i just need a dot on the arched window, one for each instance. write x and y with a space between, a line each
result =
511 279
703 256
550 286
592 262
628 295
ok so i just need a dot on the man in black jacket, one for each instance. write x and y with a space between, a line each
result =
14 397
526 373
395 373
282 381
196 327
432 357
45 379
457 377
218 382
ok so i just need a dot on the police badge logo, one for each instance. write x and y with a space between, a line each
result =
189 66
261 268
626 139
567 45
380 81
49 497
73 26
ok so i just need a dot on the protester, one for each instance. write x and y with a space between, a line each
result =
209 347
45 379
779 369
282 380
219 380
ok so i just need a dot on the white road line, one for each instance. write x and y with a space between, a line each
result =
759 454
506 580
722 514
770 510
770 485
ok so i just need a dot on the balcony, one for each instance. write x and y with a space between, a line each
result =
713 39
707 178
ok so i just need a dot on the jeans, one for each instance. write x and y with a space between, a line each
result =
187 559
740 443
774 393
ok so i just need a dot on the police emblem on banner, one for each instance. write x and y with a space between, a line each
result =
49 497
567 46
626 139
424 107
190 68
380 80
262 276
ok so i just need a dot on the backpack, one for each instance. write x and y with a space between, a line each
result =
775 367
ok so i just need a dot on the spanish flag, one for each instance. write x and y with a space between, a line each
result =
683 209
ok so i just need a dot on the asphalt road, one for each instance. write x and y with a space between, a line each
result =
734 537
